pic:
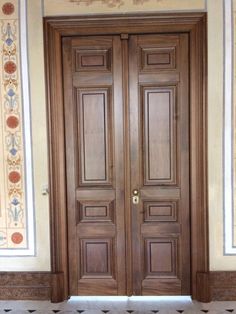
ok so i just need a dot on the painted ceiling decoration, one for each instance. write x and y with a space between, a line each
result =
110 3
16 200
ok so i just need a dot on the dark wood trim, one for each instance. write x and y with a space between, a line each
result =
55 28
214 285
203 287
25 286
57 283
57 184
223 285
198 130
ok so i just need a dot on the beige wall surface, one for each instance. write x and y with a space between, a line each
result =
38 8
215 132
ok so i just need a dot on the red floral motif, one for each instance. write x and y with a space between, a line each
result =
12 122
8 8
14 177
10 67
17 237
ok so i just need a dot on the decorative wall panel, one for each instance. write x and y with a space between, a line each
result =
16 194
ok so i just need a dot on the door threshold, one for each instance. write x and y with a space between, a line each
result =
131 298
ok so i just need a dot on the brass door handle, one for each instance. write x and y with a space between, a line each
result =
135 197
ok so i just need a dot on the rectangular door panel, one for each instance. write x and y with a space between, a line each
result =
159 142
95 136
160 211
160 257
96 258
92 60
94 211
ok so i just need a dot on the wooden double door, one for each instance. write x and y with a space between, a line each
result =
126 107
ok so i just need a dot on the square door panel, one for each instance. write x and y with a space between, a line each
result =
97 258
160 257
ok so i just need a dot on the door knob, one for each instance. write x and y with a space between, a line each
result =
135 197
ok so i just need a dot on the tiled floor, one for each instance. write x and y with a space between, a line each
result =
119 305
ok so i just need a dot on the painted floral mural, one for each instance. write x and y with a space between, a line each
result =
13 210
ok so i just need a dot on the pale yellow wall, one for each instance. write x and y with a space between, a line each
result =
215 132
215 114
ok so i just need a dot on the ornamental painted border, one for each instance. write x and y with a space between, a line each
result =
17 236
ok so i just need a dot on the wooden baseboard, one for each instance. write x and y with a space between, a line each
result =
57 281
223 285
203 287
214 285
25 286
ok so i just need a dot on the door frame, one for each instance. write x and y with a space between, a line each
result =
195 24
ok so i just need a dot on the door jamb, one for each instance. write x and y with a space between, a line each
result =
55 28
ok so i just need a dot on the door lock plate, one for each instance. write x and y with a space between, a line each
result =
135 199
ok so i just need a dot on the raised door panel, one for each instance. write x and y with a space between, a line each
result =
159 140
95 211
95 166
97 260
160 211
160 258
91 60
95 125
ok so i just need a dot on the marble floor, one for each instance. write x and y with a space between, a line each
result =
118 305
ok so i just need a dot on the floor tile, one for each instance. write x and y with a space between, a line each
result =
121 305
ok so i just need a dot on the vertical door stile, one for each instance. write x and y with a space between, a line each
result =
185 160
71 162
119 156
128 230
135 133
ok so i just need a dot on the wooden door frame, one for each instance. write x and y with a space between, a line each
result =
55 28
